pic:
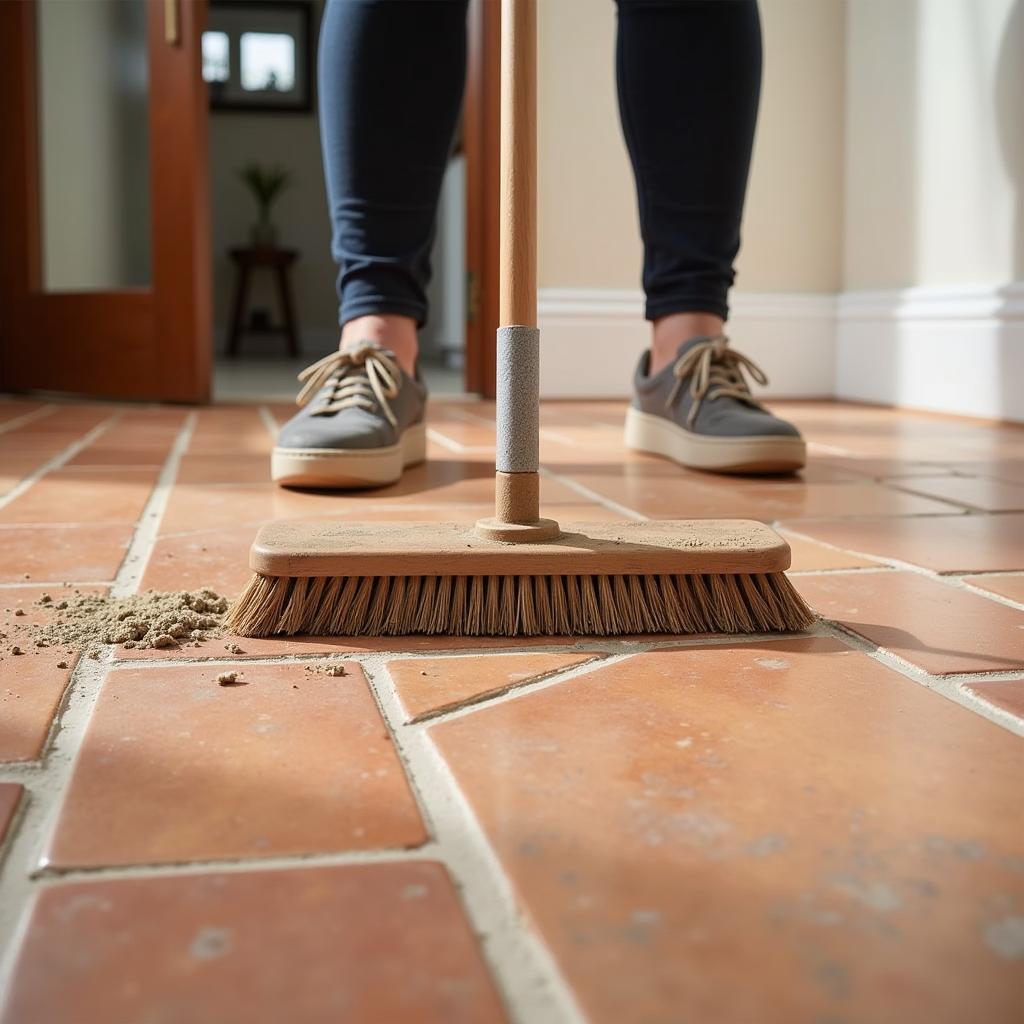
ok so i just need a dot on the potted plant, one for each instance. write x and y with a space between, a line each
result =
265 184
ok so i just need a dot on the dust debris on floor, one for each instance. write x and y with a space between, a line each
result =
327 670
88 622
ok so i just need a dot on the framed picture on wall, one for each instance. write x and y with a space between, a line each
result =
258 55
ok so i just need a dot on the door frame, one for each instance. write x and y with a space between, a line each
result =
156 341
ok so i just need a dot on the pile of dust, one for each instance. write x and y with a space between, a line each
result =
155 618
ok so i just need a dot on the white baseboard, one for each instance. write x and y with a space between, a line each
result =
591 340
952 349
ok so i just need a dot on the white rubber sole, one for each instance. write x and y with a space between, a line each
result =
765 453
349 468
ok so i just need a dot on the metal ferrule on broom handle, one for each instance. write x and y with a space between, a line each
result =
517 491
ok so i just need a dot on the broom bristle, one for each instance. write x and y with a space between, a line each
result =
519 605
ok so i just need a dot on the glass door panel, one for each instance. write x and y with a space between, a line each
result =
93 130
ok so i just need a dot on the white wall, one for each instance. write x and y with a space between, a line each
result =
932 313
935 143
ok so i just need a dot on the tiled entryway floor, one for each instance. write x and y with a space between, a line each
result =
823 828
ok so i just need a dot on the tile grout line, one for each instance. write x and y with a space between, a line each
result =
58 460
44 795
602 651
21 771
893 483
954 580
63 524
129 575
951 687
43 584
54 876
973 588
843 570
546 433
594 496
5 848
446 442
140 547
604 647
526 689
497 695
46 790
521 965
269 421
28 417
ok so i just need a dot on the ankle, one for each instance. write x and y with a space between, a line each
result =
390 331
669 332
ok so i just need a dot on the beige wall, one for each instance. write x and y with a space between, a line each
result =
588 225
935 143
300 213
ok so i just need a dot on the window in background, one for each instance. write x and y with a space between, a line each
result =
267 62
258 56
216 57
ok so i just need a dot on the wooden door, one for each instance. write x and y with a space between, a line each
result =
105 252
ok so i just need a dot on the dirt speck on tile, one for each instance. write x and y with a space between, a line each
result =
231 679
327 670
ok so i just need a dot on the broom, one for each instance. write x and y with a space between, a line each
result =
517 574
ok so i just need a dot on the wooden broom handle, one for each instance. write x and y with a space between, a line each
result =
517 286
517 455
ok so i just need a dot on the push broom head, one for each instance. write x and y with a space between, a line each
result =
594 579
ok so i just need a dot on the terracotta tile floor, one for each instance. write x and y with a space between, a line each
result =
819 828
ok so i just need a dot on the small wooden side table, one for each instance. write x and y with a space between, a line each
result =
279 262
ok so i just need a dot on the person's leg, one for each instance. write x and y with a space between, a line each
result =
689 76
391 76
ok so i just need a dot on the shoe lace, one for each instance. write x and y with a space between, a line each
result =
365 377
715 371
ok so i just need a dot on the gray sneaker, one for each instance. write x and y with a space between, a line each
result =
700 412
361 424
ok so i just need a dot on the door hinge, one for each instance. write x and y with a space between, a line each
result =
472 296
